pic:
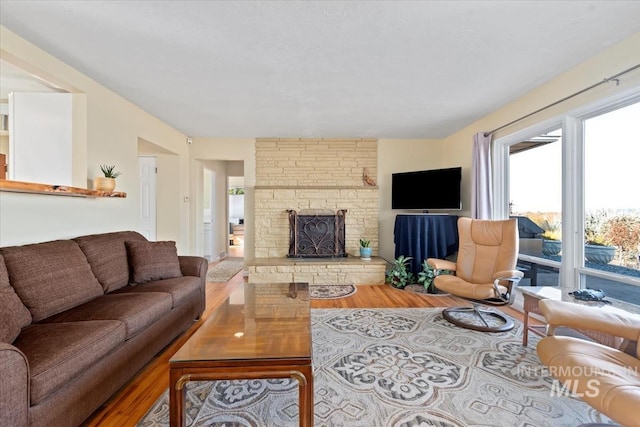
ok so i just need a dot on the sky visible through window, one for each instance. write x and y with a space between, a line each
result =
612 167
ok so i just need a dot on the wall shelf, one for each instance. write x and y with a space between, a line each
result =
54 190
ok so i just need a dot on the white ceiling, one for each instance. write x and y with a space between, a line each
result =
385 69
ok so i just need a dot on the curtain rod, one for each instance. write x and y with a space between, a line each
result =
613 78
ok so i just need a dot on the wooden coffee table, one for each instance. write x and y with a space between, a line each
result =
261 331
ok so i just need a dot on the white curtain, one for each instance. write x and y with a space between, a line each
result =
481 183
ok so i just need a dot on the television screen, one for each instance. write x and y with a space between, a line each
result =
428 189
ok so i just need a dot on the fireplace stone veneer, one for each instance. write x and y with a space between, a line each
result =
311 174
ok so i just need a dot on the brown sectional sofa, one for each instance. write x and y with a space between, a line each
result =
80 317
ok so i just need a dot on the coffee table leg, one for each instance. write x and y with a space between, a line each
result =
305 395
176 400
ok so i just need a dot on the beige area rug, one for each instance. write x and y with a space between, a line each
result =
331 291
395 367
224 270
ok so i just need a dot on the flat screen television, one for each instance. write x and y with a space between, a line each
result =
435 189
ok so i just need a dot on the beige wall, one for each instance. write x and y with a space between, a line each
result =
457 147
397 155
113 128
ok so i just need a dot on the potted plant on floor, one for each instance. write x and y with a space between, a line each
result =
108 182
551 243
365 250
399 275
426 276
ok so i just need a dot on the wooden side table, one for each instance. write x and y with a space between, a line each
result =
532 296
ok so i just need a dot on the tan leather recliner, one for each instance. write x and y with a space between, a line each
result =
485 269
606 378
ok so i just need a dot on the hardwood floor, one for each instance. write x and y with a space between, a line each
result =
130 404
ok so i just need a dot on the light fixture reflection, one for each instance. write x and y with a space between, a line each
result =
238 334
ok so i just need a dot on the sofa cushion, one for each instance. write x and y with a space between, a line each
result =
153 261
180 288
136 310
13 314
107 255
59 352
50 277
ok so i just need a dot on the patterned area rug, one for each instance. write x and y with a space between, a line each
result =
224 270
331 291
395 367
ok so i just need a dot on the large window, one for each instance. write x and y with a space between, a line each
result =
535 199
574 181
612 198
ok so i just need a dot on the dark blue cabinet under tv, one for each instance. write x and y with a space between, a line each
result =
425 236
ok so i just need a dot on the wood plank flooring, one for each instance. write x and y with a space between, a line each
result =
130 404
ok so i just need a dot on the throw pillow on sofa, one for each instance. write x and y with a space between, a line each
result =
153 261
51 277
107 255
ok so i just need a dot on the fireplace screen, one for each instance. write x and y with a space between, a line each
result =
316 234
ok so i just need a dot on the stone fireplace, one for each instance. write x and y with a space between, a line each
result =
316 233
310 176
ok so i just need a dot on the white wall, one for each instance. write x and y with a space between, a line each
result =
113 127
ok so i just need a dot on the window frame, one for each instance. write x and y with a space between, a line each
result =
572 270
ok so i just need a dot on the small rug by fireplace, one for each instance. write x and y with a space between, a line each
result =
395 367
224 270
331 291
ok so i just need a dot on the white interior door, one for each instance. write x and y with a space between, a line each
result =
147 167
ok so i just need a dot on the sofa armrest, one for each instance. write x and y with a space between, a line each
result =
196 266
571 315
193 266
14 387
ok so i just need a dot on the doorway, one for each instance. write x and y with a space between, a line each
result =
148 197
236 215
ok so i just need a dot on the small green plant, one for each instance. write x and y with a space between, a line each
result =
108 171
236 191
399 275
426 276
364 243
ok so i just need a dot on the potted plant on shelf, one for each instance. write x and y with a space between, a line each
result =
365 250
108 181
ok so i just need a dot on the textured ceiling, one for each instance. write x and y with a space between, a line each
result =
322 69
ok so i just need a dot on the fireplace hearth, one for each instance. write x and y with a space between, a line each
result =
316 233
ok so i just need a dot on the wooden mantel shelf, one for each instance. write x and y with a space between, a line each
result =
54 190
